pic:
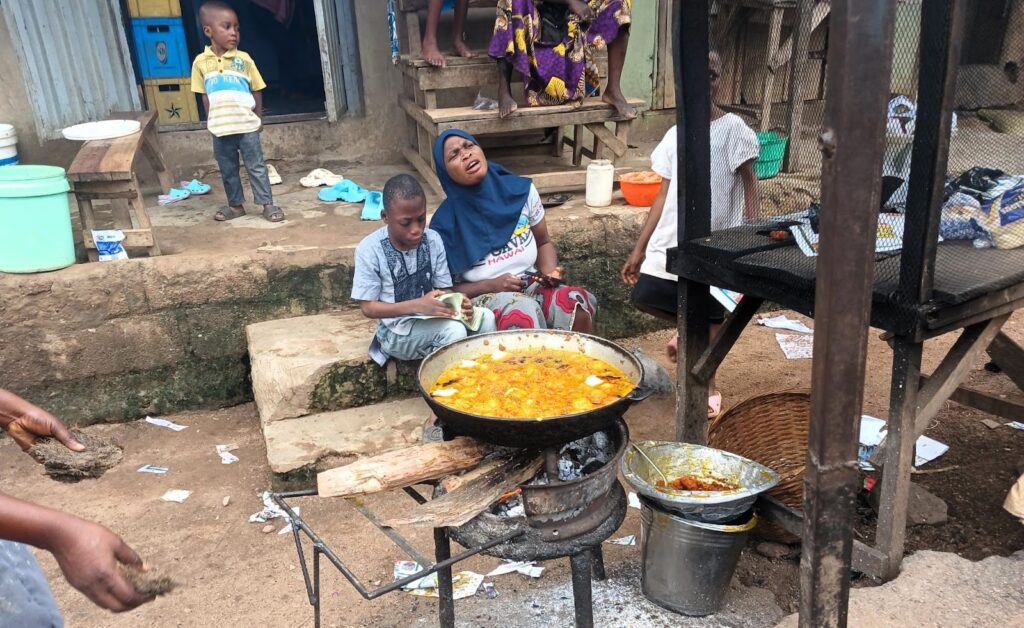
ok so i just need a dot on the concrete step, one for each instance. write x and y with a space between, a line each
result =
320 441
311 364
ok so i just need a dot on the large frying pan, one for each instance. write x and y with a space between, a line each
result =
527 432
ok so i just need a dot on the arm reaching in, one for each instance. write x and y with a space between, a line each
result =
25 422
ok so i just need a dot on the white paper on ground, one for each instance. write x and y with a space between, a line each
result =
1017 425
270 511
872 430
634 501
783 322
176 495
795 347
928 449
165 423
527 568
464 584
152 468
625 540
226 457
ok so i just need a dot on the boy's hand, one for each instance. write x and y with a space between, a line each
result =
88 555
467 308
630 272
25 422
430 305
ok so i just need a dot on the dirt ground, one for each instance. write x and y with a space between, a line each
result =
235 575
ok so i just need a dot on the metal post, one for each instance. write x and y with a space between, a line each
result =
581 588
598 556
693 138
853 144
445 594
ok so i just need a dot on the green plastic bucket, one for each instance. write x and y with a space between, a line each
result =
769 160
35 223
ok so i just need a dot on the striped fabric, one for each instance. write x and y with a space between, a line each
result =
228 81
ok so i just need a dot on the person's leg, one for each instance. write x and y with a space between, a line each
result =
424 338
514 310
225 152
431 53
259 179
487 323
459 29
506 103
616 60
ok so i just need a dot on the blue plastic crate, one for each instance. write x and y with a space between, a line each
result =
160 46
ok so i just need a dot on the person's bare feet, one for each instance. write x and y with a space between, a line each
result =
506 104
672 348
432 54
462 49
617 100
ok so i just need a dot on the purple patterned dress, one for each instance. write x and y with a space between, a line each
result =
555 74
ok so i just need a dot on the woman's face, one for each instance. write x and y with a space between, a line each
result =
464 160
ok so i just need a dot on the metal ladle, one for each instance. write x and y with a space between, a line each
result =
651 462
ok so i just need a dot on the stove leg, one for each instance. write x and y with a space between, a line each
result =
582 565
598 556
446 597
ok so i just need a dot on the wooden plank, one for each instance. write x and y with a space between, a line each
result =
978 400
417 113
401 468
727 336
898 454
1009 356
801 39
549 182
953 369
105 190
426 172
951 315
474 496
606 137
133 239
468 114
774 33
785 51
577 144
155 157
142 218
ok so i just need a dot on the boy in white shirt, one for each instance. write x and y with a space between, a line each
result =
734 197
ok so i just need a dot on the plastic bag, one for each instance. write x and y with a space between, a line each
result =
483 103
108 244
959 218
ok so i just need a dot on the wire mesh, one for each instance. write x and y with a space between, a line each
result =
765 226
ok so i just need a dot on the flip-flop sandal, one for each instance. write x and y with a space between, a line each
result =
195 187
272 174
226 213
714 404
318 177
373 206
270 212
173 196
344 190
554 200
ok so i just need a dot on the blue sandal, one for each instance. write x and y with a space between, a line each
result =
373 207
196 187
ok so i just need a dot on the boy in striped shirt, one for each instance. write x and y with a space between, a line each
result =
230 84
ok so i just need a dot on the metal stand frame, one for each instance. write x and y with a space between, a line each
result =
586 565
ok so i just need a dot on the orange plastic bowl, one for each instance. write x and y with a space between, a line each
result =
640 188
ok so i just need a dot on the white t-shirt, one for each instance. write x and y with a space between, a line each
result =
519 255
733 143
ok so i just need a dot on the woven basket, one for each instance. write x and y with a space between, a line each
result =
770 429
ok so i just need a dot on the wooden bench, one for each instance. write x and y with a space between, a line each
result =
583 128
105 170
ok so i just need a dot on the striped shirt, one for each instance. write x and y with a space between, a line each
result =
228 83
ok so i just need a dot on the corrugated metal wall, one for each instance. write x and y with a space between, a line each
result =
75 60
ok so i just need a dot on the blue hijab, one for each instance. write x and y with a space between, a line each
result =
475 220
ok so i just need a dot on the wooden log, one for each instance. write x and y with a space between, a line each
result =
401 468
475 495
453 482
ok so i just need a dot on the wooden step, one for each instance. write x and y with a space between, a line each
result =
591 111
405 6
311 364
310 442
460 72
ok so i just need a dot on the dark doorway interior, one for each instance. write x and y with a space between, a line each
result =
986 30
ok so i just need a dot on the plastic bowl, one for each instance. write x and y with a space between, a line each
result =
640 188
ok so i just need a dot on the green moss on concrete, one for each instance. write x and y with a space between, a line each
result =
349 386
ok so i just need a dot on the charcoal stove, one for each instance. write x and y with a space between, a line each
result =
560 518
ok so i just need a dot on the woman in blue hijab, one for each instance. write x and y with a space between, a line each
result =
497 242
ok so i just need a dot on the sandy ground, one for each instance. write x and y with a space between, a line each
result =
235 575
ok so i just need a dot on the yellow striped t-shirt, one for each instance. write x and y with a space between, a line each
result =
228 82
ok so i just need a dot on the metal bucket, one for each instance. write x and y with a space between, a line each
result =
687 565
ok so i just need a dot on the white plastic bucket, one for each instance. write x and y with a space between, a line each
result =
8 145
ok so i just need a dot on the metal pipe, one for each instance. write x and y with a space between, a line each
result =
598 556
582 564
445 594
